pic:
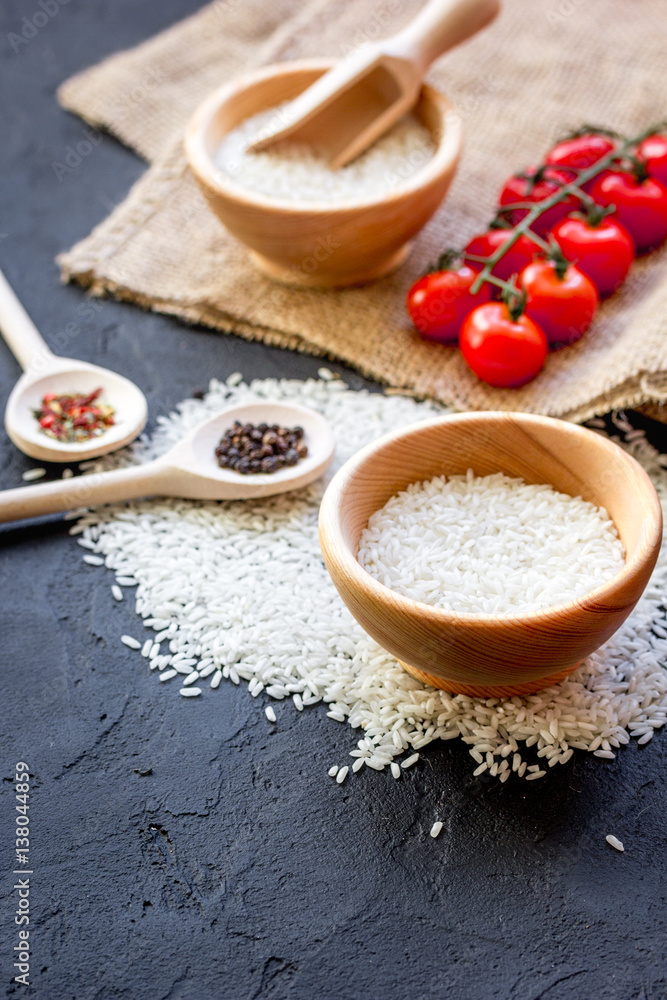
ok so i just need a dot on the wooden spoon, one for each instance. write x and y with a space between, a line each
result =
46 372
353 104
189 469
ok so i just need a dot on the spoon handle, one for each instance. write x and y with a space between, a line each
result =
23 337
438 27
82 491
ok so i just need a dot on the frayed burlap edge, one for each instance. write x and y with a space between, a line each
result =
641 393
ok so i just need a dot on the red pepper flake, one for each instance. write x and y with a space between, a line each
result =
74 417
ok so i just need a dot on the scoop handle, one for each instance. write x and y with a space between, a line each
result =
82 491
438 27
27 344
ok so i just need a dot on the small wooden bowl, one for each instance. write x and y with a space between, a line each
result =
318 244
491 655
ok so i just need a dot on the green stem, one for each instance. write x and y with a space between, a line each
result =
542 244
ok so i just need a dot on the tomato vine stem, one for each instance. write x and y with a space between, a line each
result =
611 160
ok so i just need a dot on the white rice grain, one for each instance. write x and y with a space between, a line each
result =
614 842
127 640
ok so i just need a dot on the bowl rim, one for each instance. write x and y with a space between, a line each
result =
202 165
329 524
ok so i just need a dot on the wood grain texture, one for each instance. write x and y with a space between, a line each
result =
491 655
317 245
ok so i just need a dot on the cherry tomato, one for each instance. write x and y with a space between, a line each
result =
603 251
516 258
580 152
653 154
520 188
641 206
439 302
500 350
562 306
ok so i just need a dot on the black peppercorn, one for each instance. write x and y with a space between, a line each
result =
248 449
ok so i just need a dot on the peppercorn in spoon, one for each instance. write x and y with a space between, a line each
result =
190 468
55 412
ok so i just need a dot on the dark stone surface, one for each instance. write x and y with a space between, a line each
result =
236 869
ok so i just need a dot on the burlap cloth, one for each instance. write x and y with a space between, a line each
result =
543 66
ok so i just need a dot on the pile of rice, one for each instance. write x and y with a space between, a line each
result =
238 592
293 172
489 545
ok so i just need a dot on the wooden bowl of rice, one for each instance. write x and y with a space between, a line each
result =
311 242
492 655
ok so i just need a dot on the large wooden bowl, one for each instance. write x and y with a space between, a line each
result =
491 655
318 244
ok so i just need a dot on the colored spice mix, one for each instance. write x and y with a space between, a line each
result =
74 417
248 449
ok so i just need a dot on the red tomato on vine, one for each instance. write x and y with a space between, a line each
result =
562 301
603 250
500 350
533 186
652 152
486 244
580 151
439 302
640 206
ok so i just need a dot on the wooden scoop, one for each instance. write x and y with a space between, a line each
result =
353 104
189 469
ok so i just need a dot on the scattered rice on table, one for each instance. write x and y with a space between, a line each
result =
614 842
231 585
435 829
